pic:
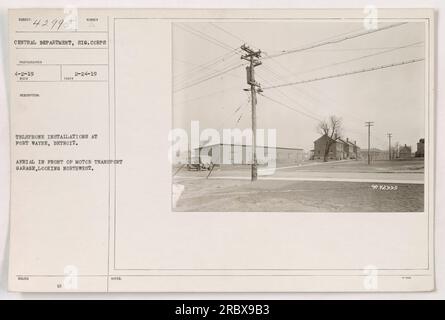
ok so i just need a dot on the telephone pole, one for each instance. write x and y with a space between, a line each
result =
389 145
253 57
369 124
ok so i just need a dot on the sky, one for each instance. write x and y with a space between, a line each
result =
393 98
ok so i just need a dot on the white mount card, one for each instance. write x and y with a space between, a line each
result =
221 150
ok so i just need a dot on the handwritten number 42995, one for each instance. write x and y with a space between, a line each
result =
51 24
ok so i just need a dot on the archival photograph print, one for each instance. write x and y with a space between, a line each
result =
299 116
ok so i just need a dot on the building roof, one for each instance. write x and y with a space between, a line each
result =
405 147
325 135
245 145
339 139
346 142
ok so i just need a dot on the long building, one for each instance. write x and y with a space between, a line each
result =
220 154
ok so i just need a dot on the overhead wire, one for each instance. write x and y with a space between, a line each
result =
209 77
385 66
227 32
204 36
208 95
210 71
207 64
356 58
289 107
277 76
334 41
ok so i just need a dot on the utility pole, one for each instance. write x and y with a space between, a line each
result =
253 57
369 124
389 145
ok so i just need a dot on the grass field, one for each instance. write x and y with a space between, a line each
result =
223 191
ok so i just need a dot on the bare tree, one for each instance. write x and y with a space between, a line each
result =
330 128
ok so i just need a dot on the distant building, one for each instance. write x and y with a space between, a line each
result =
339 149
311 154
242 154
420 153
335 152
350 149
405 152
376 154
